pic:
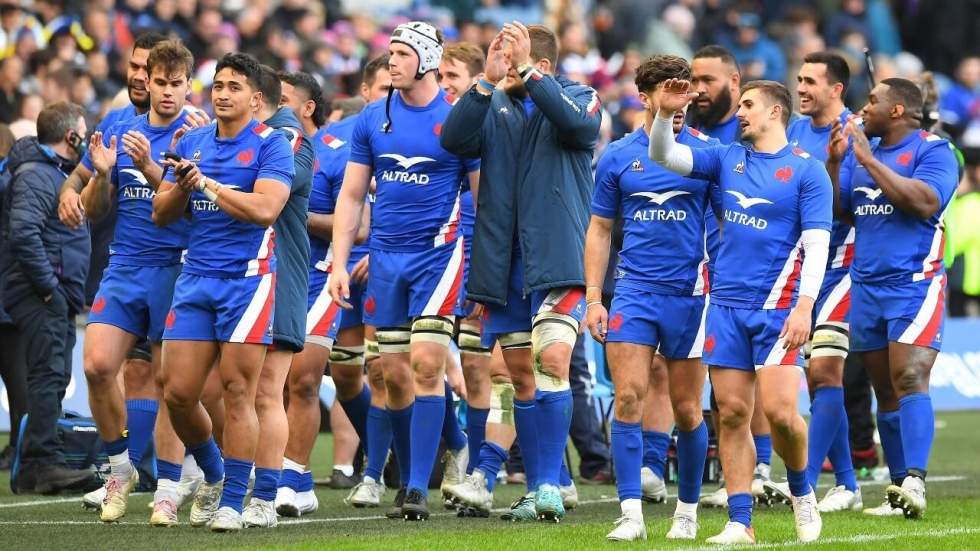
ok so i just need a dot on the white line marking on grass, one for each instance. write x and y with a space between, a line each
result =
55 501
860 538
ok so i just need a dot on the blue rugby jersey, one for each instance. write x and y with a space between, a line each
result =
766 201
664 247
418 182
816 141
137 241
219 245
890 245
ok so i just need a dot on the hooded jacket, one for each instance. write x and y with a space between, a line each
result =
535 182
40 254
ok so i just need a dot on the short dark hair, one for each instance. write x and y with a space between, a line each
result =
712 51
348 106
905 92
544 44
56 120
776 93
171 56
468 54
660 68
242 64
837 68
372 68
309 85
147 40
269 85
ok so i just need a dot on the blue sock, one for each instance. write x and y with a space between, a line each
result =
564 476
655 445
357 411
429 412
401 432
378 442
491 457
265 483
627 454
476 432
692 452
826 413
237 472
890 432
168 471
840 457
208 458
553 419
740 509
453 435
527 439
306 482
289 478
118 446
763 448
798 485
141 417
918 422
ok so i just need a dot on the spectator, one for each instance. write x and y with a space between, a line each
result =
963 222
44 268
757 55
11 74
850 18
961 103
27 111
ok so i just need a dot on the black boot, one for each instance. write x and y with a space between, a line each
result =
53 479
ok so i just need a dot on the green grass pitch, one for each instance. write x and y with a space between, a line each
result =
952 521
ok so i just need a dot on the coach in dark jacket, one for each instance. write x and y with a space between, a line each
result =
44 268
536 142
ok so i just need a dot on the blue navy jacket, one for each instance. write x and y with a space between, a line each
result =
535 182
40 254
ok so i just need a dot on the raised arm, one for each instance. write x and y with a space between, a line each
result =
664 150
575 114
835 159
912 195
97 196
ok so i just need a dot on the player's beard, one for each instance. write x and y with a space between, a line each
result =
707 118
141 104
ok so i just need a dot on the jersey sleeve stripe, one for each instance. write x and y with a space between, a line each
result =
254 324
933 261
844 255
448 232
261 265
781 294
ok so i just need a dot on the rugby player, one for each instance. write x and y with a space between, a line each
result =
235 176
775 201
895 192
662 282
416 253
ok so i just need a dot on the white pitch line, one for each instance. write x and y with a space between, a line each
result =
860 538
55 501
